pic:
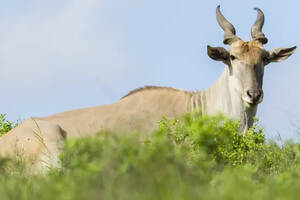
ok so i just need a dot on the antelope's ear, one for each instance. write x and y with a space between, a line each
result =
218 53
280 54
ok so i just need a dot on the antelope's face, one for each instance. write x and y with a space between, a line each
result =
246 60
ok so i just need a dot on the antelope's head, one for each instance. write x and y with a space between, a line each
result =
246 60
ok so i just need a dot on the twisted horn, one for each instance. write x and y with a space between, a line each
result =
228 28
256 30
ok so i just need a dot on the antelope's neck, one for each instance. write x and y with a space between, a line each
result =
222 97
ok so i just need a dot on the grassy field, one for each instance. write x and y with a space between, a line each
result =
193 157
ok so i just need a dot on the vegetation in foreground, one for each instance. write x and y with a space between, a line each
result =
6 125
194 157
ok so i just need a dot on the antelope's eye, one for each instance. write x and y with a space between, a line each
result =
232 57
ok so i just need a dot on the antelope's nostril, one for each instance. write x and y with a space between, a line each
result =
254 95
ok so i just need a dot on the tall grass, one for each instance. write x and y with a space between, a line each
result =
192 157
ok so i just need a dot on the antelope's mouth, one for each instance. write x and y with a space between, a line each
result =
250 102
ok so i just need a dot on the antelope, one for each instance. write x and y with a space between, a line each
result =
236 93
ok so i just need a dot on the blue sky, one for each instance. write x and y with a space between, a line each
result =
67 54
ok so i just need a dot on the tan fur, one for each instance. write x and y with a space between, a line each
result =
149 87
146 106
40 139
249 52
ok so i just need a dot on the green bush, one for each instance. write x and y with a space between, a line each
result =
192 157
5 125
217 136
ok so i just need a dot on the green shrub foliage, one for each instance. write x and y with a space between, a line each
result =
191 157
5 125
